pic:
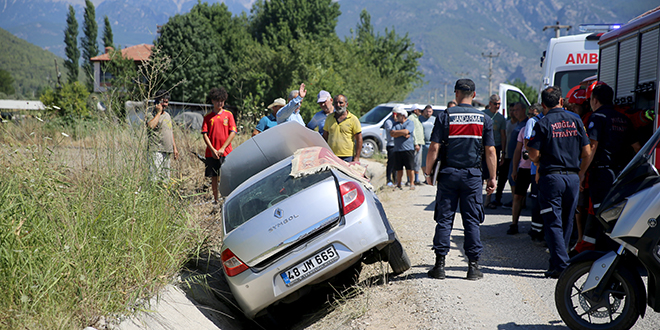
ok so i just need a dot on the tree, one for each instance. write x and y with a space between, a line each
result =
205 46
277 22
89 42
6 83
71 45
393 56
107 34
71 101
530 92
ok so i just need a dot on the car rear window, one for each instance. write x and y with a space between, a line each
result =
375 115
265 193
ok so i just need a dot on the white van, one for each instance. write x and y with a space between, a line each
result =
373 134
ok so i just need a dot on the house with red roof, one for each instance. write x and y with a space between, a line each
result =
138 53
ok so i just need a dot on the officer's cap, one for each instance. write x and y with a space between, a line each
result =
466 85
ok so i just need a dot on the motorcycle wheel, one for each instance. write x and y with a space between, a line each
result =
615 310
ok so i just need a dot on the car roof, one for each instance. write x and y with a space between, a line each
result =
408 106
264 150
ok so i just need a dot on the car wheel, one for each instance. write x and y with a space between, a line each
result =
369 148
397 257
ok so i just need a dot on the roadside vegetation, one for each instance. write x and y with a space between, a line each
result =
84 233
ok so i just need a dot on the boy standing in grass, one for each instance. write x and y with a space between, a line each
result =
218 130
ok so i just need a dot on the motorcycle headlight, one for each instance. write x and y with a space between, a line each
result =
613 212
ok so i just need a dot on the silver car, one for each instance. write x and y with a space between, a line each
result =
282 234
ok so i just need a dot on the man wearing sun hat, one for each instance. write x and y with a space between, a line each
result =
270 120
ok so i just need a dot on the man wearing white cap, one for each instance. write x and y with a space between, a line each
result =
324 100
404 145
270 120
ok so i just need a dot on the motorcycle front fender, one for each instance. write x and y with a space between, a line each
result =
600 270
603 266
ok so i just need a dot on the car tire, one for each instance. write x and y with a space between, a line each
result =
397 257
369 148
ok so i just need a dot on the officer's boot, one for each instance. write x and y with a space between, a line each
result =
473 271
438 271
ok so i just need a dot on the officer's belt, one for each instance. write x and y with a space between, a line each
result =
562 172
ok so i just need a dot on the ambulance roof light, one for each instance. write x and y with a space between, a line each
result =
598 28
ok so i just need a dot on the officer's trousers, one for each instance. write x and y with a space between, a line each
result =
600 183
558 198
459 186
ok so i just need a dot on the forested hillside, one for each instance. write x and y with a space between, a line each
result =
31 67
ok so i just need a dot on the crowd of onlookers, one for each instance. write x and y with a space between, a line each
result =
408 138
339 127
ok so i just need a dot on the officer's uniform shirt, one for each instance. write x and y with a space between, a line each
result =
469 131
614 134
559 137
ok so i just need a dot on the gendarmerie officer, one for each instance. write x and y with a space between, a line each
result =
612 144
557 143
464 134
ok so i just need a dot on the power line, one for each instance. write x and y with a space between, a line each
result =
557 28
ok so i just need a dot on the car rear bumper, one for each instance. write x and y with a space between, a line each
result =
361 230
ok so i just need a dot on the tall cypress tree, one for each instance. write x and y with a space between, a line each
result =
71 45
107 34
89 43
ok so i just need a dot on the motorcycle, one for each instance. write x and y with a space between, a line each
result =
604 289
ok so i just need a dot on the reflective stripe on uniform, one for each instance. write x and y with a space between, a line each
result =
596 205
544 211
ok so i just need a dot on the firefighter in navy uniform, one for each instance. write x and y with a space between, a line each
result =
557 144
464 134
613 144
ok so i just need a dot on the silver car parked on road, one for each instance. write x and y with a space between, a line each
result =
283 234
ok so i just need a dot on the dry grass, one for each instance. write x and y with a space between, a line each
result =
84 233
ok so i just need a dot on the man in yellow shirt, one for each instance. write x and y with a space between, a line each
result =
341 129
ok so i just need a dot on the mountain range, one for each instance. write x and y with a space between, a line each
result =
453 34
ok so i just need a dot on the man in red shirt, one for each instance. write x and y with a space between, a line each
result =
218 130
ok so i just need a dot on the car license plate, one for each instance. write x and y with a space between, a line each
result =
310 266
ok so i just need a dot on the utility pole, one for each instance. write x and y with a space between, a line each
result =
557 27
490 56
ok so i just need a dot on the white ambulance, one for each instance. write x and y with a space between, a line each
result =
570 59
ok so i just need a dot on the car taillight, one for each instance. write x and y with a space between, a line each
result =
233 266
351 196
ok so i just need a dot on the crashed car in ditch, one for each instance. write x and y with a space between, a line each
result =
295 216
